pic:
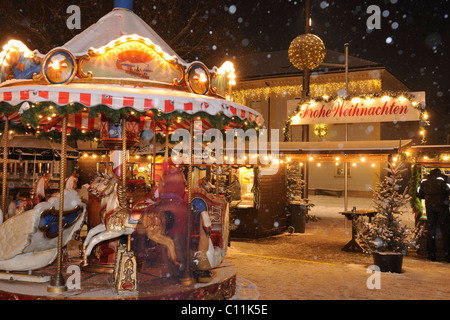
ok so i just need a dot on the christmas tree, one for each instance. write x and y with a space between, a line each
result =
295 183
295 186
386 233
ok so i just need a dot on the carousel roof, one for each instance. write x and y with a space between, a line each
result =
116 65
119 22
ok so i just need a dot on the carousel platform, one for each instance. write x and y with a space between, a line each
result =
99 286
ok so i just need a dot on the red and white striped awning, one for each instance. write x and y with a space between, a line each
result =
141 99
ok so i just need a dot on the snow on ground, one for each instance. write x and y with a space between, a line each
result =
311 265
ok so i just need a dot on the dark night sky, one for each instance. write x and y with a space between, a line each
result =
413 42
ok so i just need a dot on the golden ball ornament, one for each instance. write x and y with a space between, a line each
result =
306 51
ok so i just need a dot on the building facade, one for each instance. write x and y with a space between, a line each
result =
268 83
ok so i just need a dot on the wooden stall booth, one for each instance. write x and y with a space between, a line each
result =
258 206
423 159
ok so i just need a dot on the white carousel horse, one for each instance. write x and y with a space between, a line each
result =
71 182
208 256
29 241
23 204
118 221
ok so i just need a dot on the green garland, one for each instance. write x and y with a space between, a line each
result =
416 204
255 188
6 109
31 117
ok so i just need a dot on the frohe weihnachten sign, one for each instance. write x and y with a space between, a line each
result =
382 109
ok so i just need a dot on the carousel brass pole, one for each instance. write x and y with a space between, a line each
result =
57 282
166 149
187 277
124 168
124 153
5 168
154 157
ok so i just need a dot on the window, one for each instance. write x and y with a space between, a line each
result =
339 170
256 105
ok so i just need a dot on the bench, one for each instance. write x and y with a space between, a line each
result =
327 191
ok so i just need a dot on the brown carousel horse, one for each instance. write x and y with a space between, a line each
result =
205 184
119 219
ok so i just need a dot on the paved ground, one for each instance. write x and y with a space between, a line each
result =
313 266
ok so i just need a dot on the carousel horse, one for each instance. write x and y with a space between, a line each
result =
71 182
119 219
94 187
29 241
205 184
37 194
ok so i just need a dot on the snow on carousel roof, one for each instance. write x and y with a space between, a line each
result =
119 22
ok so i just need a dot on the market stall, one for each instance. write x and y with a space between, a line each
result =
423 159
29 158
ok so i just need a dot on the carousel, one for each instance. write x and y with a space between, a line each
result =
119 83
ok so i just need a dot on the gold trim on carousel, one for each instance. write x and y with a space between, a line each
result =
182 81
81 73
37 76
213 91
186 78
75 66
140 83
114 43
149 84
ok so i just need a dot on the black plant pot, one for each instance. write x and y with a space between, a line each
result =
297 221
388 261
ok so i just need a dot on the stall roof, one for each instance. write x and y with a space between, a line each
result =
344 147
430 155
30 145
431 148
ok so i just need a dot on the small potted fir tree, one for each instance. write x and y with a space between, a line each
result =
386 237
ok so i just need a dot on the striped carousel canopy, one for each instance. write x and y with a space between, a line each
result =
117 66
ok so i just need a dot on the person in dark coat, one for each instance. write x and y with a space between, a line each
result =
435 189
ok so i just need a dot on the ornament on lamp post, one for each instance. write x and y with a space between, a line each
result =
306 51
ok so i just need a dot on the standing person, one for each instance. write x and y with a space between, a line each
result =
435 189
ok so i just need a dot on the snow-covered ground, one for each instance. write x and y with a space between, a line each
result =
329 206
311 265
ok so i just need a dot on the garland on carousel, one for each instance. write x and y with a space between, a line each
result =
391 94
31 115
